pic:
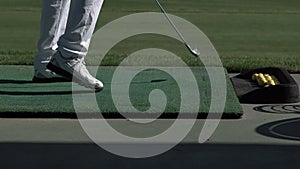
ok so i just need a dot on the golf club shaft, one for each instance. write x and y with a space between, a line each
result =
171 22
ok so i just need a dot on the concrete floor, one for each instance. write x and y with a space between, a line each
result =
266 137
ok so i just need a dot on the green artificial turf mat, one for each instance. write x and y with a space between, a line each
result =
19 97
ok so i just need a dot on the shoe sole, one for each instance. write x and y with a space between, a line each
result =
69 76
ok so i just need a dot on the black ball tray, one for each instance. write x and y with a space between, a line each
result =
248 91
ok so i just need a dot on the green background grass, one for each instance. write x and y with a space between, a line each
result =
247 34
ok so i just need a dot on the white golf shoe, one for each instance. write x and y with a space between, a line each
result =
42 74
74 69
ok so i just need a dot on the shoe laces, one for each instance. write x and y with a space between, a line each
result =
84 68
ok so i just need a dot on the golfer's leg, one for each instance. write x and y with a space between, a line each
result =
64 13
80 27
53 23
68 61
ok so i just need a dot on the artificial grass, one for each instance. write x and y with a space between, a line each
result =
19 97
247 34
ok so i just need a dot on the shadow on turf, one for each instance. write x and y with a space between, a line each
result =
38 93
42 93
33 81
282 129
278 109
16 81
62 80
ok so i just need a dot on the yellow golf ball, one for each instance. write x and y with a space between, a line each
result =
271 82
254 76
268 77
275 80
262 81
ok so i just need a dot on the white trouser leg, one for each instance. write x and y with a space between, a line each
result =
81 23
62 22
53 24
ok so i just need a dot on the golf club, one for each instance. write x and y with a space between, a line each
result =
195 51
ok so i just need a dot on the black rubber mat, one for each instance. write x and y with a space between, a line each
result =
248 91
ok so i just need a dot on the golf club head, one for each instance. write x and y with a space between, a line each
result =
195 51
